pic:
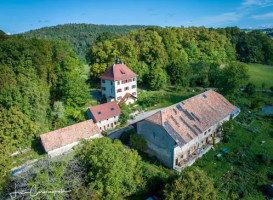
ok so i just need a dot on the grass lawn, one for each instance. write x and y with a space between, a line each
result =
242 172
261 74
171 95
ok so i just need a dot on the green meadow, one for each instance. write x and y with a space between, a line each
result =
260 74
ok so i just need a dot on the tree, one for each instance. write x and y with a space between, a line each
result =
125 114
255 102
15 128
192 183
250 89
227 128
113 170
137 141
74 89
233 77
157 78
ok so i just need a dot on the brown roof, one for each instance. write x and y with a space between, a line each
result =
105 111
67 135
125 97
118 72
187 119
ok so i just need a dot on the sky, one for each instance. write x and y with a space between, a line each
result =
17 16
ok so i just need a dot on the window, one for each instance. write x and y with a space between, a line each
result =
103 81
133 86
134 93
112 109
103 88
119 90
130 80
126 88
205 132
209 130
179 107
134 79
118 82
111 82
119 98
99 112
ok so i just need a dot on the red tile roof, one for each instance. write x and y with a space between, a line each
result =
118 72
105 111
67 135
125 97
187 119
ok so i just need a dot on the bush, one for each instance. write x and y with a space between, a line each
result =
192 183
150 100
138 142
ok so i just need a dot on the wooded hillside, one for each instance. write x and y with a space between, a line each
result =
79 36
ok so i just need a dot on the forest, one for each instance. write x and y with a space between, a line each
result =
183 56
79 36
43 88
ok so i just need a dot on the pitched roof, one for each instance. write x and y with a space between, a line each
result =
125 97
67 135
187 119
118 72
105 111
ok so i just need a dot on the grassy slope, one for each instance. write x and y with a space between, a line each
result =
261 74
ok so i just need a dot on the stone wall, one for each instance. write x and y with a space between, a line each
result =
159 142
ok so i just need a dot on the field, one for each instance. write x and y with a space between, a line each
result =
261 74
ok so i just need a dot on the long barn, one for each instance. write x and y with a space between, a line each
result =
178 133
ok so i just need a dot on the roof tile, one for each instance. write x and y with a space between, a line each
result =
105 111
118 72
194 115
70 134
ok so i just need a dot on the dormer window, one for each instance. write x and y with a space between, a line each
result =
122 71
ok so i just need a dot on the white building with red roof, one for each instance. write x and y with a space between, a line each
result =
117 81
62 140
105 115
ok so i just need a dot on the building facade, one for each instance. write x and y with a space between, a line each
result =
178 133
118 81
105 116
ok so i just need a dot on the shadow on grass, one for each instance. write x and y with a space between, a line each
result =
37 146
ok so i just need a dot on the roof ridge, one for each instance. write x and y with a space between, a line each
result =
185 100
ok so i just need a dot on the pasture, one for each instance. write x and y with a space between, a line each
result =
260 74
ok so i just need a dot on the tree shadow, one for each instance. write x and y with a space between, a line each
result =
37 146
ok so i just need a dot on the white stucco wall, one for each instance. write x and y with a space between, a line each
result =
111 89
68 147
108 123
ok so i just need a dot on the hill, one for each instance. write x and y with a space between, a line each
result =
79 36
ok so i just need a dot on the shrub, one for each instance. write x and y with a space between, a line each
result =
138 142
